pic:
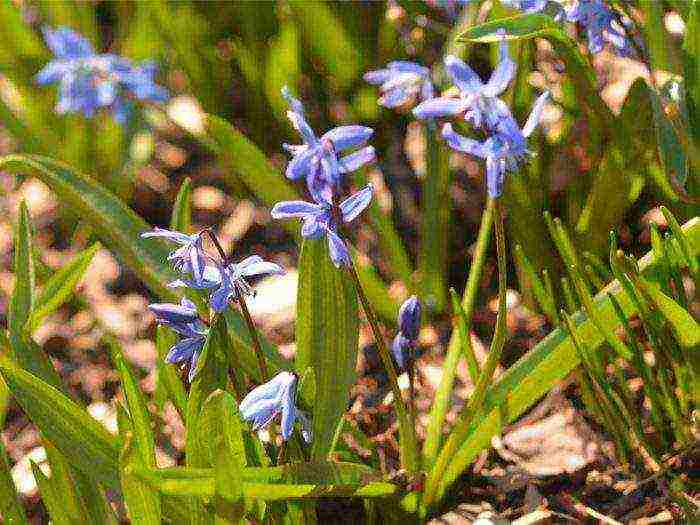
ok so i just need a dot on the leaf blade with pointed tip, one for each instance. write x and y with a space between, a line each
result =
23 294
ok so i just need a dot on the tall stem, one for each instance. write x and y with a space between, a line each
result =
240 299
476 401
407 433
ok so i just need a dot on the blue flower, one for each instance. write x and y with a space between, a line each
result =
89 81
232 283
184 320
526 6
189 258
504 151
478 102
318 219
409 326
277 396
401 82
318 160
600 24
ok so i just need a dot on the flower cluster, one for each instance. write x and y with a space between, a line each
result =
401 82
409 326
89 81
317 160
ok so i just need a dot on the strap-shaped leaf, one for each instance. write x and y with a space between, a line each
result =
168 382
62 483
63 423
326 334
181 218
52 498
60 286
143 502
22 300
10 506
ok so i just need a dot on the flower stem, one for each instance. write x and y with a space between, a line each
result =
407 432
476 400
240 299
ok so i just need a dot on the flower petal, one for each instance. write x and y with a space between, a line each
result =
405 66
183 350
356 160
178 237
262 268
355 204
377 77
460 143
534 119
338 251
295 209
439 107
502 75
302 162
344 137
219 298
462 74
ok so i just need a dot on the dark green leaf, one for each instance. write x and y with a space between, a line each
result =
10 506
23 295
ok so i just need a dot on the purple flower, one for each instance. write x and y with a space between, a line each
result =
189 258
89 81
317 160
526 6
401 82
232 282
477 102
318 220
277 396
600 24
409 326
504 151
184 320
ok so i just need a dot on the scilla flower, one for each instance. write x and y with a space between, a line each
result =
317 159
526 6
89 81
184 320
232 280
504 151
600 24
189 258
477 102
409 326
267 401
401 82
318 220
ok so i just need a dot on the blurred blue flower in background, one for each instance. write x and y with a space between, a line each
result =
277 396
526 6
317 159
232 283
89 81
504 151
189 258
600 24
409 327
318 219
477 102
184 320
401 82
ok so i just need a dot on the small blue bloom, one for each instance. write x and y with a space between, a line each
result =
600 24
526 6
184 320
277 396
318 220
189 258
478 102
89 81
232 282
401 82
409 326
504 151
317 160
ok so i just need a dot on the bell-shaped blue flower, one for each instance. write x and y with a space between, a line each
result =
600 24
190 257
276 397
401 82
318 220
409 327
184 320
232 280
318 160
504 151
477 102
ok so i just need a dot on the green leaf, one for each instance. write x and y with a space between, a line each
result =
691 47
180 481
114 222
167 377
68 427
326 334
541 368
23 295
143 502
62 484
283 65
10 506
436 208
60 286
52 498
684 327
181 218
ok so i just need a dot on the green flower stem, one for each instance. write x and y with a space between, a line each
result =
476 401
457 345
264 375
407 433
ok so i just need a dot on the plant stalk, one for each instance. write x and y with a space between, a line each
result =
407 433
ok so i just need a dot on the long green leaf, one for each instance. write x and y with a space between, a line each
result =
23 295
68 427
10 506
143 502
53 499
327 334
62 483
543 366
166 375
59 288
